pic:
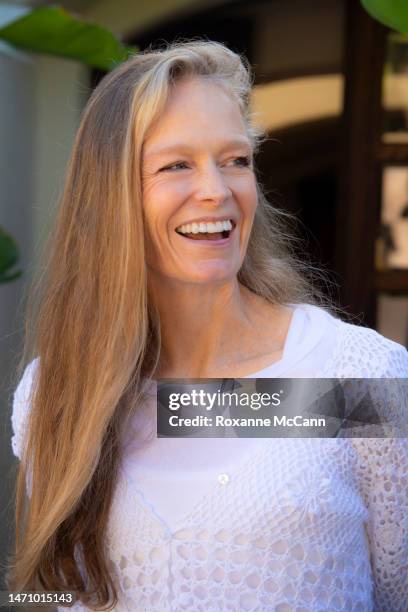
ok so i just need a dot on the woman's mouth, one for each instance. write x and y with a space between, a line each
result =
206 236
213 231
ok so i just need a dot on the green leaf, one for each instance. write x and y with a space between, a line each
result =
53 31
392 13
9 256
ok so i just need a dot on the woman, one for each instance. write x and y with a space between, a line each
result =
167 261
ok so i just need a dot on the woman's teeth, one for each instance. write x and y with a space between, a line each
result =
205 228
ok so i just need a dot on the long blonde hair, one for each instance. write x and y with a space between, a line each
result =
91 325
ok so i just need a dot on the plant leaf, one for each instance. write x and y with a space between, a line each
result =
9 256
392 13
54 31
6 278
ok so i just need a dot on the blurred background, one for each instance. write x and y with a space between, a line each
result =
331 90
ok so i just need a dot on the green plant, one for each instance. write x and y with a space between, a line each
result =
54 31
9 257
392 13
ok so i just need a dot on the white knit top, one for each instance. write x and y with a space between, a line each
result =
285 525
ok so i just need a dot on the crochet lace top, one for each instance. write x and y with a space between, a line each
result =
283 525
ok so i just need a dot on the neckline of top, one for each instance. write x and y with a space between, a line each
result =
306 329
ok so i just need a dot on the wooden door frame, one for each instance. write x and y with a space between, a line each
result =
358 207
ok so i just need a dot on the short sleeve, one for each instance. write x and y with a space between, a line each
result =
21 407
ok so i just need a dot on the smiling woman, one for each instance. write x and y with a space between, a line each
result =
199 201
166 260
200 193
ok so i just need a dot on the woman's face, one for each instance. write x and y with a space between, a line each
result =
199 189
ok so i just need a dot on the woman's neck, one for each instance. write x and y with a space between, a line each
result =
217 331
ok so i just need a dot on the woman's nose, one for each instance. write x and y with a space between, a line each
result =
211 185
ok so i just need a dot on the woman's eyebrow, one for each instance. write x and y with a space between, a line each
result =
180 147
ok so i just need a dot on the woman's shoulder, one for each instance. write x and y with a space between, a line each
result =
359 351
372 352
21 406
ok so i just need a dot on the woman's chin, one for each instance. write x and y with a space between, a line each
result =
206 274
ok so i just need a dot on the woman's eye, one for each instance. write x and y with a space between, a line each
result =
176 166
242 162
